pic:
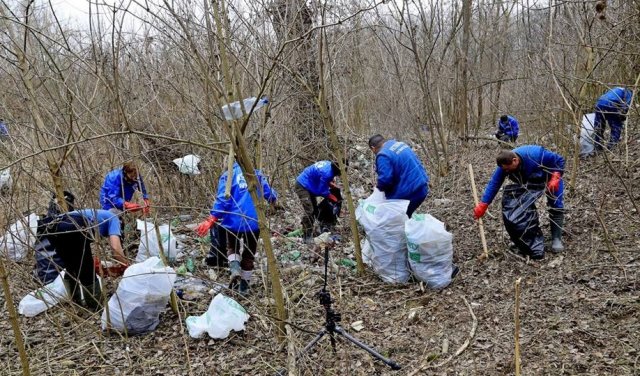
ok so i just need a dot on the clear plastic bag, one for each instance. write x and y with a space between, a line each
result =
149 246
223 315
142 294
383 222
234 111
430 250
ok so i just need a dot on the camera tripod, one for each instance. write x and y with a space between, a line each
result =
331 327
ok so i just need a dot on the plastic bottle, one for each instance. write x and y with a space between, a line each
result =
234 110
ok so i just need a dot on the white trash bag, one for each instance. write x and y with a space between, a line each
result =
6 182
586 134
188 164
223 315
142 294
149 246
383 222
43 298
19 238
430 250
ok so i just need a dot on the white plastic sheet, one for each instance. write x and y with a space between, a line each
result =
188 164
223 315
142 294
19 238
43 298
430 250
149 245
383 222
234 110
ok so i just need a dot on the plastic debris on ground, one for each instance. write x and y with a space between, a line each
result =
223 315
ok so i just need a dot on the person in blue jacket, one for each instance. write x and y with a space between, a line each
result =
118 189
238 221
531 164
611 108
401 175
315 181
71 235
508 129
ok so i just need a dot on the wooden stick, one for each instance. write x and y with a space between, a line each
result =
480 224
516 315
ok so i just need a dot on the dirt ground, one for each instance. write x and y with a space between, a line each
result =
579 312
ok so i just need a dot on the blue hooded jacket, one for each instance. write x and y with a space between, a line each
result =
536 164
511 127
116 190
316 178
400 172
616 100
237 213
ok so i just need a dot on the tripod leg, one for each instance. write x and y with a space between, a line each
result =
374 353
313 342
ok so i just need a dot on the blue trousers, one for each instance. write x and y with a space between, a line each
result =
556 200
416 198
615 119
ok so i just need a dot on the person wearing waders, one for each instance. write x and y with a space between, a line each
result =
611 108
71 235
531 164
508 129
238 221
400 173
316 180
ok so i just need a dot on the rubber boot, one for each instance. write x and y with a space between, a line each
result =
71 285
234 269
556 219
93 296
243 287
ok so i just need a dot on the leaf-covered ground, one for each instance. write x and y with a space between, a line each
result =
579 311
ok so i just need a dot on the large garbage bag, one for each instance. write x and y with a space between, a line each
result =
383 222
142 294
43 298
430 250
19 238
586 134
520 218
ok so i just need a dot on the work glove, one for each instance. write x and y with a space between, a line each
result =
479 210
132 207
332 198
554 183
204 227
147 207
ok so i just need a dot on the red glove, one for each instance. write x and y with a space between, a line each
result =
479 210
554 183
147 207
203 227
332 198
130 206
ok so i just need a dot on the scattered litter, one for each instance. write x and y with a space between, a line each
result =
357 325
223 315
